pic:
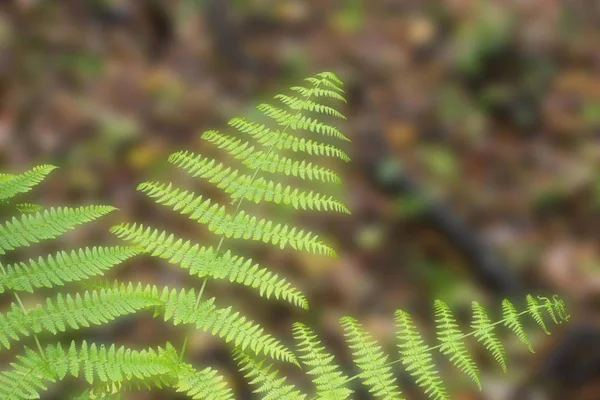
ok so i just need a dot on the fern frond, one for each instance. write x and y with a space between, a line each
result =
183 307
269 161
285 141
11 185
205 384
27 207
240 225
245 186
330 381
266 380
368 356
417 358
484 333
31 228
32 372
63 267
318 93
452 345
534 310
204 261
300 104
299 121
512 322
65 312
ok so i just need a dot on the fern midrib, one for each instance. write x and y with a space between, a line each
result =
237 209
432 348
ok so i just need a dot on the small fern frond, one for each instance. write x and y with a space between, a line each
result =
533 308
299 104
484 333
204 261
11 185
329 380
416 357
512 322
372 362
31 228
27 207
183 307
266 380
238 226
63 267
452 345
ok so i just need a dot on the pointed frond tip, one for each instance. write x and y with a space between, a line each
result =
47 224
11 185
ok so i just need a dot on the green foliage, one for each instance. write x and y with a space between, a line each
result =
264 162
375 369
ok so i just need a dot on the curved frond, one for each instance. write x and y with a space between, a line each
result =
205 384
238 226
484 333
11 185
183 307
63 267
368 356
534 310
268 385
204 261
452 344
31 228
417 358
330 381
300 104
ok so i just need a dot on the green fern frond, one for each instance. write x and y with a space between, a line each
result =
31 228
368 356
329 380
269 162
11 185
512 322
299 104
256 190
266 380
318 93
238 226
204 261
32 372
205 384
484 333
417 359
63 267
284 141
452 345
534 310
183 307
94 307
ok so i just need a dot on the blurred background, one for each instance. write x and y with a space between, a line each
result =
475 130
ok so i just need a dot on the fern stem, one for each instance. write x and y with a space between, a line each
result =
237 209
35 337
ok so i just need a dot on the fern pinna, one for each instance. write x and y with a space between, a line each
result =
272 160
376 368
